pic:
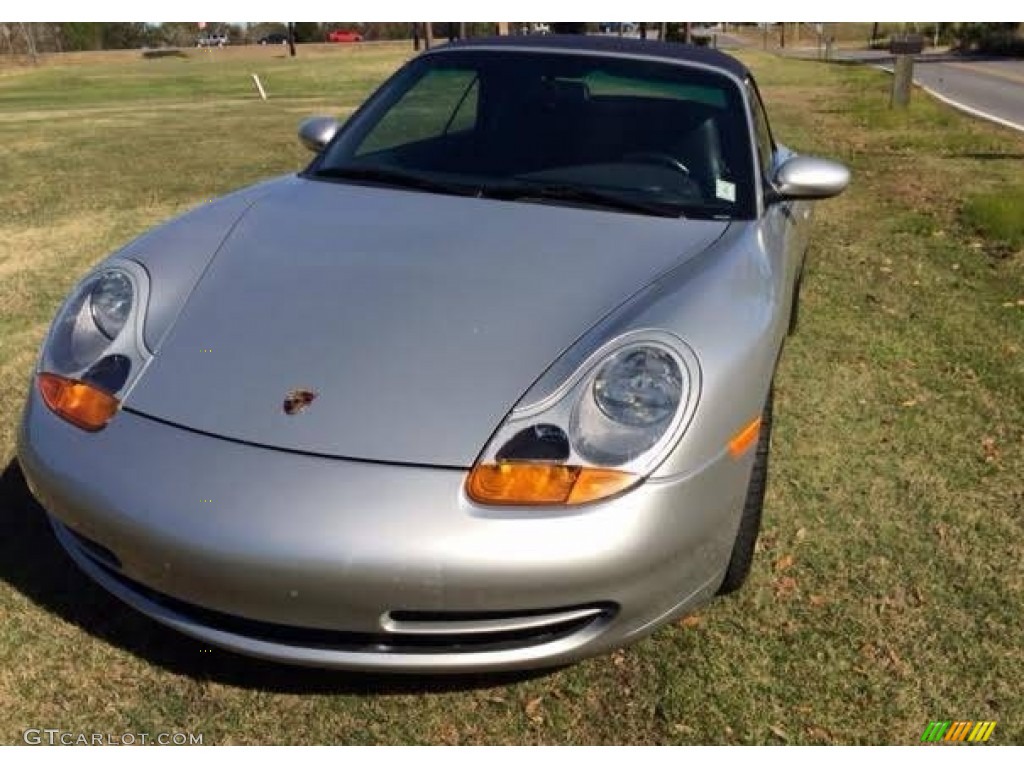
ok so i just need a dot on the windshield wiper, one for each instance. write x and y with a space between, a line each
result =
585 195
393 177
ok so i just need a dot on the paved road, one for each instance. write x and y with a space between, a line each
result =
989 88
992 87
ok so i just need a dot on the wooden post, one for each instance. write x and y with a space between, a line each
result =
502 28
643 30
663 31
764 38
291 38
462 30
902 80
688 32
428 35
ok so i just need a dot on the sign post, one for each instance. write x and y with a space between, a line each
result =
903 49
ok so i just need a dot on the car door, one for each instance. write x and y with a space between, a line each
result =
784 224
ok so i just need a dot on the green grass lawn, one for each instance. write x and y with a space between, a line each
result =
888 589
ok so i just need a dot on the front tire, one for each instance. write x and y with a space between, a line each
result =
742 558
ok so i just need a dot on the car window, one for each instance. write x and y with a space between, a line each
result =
444 100
665 136
601 83
763 132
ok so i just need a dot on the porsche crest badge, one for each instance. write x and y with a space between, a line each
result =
298 400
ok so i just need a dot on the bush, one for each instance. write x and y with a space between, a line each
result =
990 37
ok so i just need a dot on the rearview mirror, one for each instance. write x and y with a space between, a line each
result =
315 133
809 178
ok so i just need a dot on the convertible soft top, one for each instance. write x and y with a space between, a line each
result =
709 57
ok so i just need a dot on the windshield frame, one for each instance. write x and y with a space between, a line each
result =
392 90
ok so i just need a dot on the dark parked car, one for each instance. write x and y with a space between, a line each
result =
274 38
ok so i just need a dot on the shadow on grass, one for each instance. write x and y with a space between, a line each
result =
33 563
164 53
988 156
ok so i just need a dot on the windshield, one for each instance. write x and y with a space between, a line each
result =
563 129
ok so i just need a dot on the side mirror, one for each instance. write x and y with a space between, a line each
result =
315 133
809 178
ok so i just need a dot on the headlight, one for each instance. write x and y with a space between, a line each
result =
95 348
600 433
629 405
110 301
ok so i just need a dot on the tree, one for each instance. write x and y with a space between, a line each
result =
30 42
989 37
308 32
122 34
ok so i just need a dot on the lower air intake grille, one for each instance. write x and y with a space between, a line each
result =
405 631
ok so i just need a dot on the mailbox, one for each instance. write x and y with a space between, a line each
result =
906 45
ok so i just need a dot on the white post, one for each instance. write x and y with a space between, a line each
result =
259 86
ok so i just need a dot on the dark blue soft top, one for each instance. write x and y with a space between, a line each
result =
710 57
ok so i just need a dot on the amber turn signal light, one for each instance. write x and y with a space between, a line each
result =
534 483
745 438
82 404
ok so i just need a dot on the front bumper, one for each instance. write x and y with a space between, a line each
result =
352 564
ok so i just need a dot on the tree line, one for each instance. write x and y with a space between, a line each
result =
55 37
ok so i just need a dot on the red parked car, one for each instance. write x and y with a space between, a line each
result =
344 36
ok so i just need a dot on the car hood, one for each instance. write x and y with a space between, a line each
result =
418 320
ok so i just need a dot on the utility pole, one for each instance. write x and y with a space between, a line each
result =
291 38
688 32
503 28
428 35
663 31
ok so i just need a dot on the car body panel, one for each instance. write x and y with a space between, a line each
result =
422 324
277 536
177 253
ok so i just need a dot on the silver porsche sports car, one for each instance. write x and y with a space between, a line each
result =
486 386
